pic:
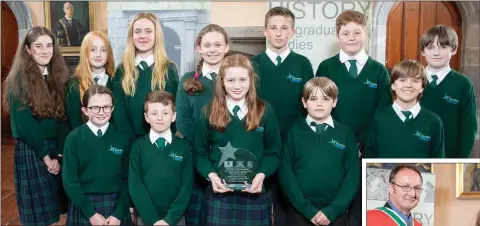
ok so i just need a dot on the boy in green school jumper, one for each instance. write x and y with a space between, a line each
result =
319 167
160 176
449 94
282 75
405 129
363 85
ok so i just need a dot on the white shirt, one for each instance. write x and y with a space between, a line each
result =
414 110
361 59
45 71
329 122
167 135
243 108
441 74
102 78
206 71
94 128
273 56
149 60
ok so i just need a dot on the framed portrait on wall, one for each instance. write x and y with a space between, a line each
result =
422 167
69 22
468 180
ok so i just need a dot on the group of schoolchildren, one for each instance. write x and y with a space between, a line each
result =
154 142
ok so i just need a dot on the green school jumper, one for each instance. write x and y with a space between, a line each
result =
128 112
189 106
93 164
73 103
282 86
454 101
263 142
358 98
160 181
320 172
390 137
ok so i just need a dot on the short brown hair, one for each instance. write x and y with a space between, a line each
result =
94 90
350 16
158 96
398 168
446 37
279 11
326 86
408 69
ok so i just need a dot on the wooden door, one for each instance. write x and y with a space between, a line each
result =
9 47
408 21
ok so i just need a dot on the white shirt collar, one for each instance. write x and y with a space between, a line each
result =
441 74
45 71
329 122
94 128
206 71
273 56
167 135
243 107
149 60
70 19
414 110
361 57
103 78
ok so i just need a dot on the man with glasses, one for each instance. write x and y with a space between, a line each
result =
404 189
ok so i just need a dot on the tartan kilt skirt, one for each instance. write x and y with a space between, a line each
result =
35 188
104 204
236 208
195 212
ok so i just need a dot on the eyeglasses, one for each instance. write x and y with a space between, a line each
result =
408 188
96 109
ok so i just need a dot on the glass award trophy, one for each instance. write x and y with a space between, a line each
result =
236 167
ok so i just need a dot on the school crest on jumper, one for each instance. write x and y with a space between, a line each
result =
337 144
115 151
176 157
370 84
449 99
422 136
293 78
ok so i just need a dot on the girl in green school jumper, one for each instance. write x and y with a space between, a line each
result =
34 97
96 66
212 43
234 125
145 67
96 165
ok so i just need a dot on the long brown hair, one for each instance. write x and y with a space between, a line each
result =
193 85
83 72
219 116
159 55
25 80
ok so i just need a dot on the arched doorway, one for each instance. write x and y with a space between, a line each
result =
172 46
407 21
9 47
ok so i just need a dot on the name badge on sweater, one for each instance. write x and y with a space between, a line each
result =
115 151
450 100
176 157
337 144
294 79
422 136
260 129
370 84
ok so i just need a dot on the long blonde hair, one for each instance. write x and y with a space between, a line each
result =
161 61
83 72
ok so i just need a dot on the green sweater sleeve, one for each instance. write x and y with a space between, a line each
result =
371 148
120 108
468 123
437 150
173 78
350 183
384 94
138 191
123 200
73 105
307 75
27 126
201 142
184 120
180 204
71 181
322 70
289 183
272 144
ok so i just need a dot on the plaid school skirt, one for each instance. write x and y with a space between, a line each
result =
236 208
35 187
195 212
104 204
